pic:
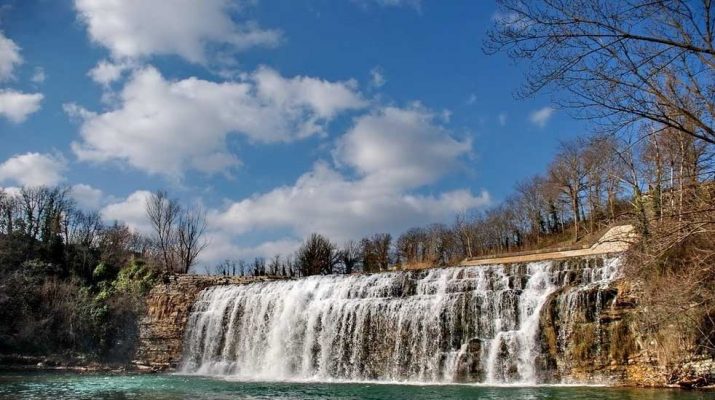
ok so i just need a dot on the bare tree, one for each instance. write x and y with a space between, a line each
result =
259 266
191 226
82 227
621 62
462 228
8 211
274 266
224 268
163 213
316 256
349 256
568 173
533 202
411 246
376 252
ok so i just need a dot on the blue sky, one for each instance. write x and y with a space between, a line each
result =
279 117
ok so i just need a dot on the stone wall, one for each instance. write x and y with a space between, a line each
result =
168 304
603 346
593 341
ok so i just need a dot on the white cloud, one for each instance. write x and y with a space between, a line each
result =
324 201
511 20
11 190
17 106
166 127
131 211
502 118
9 57
77 112
299 94
86 196
221 247
106 72
140 28
392 151
541 116
377 77
471 99
38 76
34 169
400 147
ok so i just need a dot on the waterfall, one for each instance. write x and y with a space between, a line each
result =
477 324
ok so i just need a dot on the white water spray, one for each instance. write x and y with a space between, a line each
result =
441 325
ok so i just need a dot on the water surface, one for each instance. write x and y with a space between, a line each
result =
61 386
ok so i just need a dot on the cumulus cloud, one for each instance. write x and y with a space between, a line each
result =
371 186
295 96
541 116
9 57
39 75
17 106
140 28
11 190
392 151
131 211
222 247
400 147
107 72
166 127
86 196
323 200
221 244
33 169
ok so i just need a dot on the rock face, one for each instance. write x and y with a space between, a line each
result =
586 331
168 304
589 336
586 337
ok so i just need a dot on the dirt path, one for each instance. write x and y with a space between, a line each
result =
616 240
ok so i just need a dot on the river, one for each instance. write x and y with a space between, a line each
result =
61 386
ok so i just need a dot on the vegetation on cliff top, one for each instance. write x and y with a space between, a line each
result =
643 72
69 284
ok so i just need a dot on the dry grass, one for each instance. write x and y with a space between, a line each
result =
675 270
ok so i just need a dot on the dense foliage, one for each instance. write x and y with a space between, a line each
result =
69 284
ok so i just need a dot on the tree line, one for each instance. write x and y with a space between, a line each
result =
590 184
71 283
642 71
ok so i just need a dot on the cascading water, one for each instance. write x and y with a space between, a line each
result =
475 324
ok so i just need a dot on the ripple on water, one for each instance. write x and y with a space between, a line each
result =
61 386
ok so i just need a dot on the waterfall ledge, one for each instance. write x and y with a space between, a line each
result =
480 324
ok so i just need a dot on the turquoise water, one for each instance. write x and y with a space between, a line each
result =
60 386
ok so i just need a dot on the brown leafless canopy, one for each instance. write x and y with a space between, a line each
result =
163 213
619 62
190 229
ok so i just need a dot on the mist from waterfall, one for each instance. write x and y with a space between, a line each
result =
476 324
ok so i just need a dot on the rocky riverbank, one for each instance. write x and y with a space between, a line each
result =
79 364
161 330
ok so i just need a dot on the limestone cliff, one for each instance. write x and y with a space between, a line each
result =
168 304
587 331
590 336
